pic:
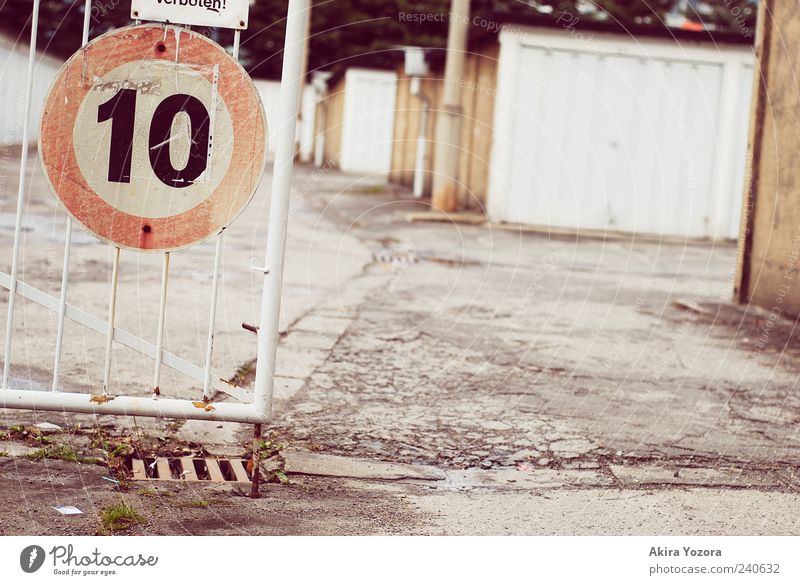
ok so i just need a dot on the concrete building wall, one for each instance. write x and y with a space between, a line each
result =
13 72
769 256
329 130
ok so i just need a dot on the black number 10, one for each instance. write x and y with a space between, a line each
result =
121 110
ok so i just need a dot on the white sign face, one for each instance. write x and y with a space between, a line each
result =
218 13
143 190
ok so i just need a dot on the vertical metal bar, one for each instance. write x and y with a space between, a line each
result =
237 36
87 13
279 205
62 302
162 313
62 305
23 172
212 319
256 462
422 146
112 310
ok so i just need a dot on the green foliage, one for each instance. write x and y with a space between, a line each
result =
29 435
269 448
365 29
280 476
62 452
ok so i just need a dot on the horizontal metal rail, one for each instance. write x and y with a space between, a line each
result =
132 406
123 337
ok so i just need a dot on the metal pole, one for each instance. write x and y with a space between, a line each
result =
291 80
112 310
87 13
62 305
422 142
162 313
23 172
212 320
256 460
237 37
212 317
279 206
62 301
449 120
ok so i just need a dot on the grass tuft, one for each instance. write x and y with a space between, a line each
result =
62 452
119 517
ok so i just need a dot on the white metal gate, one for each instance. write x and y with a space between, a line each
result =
248 407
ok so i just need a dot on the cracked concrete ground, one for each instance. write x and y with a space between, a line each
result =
458 378
494 348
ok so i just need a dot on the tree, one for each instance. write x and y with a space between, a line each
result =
366 30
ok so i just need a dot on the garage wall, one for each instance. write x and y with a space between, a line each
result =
329 129
769 252
610 133
479 86
368 122
406 129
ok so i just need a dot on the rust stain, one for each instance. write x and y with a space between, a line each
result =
204 405
101 398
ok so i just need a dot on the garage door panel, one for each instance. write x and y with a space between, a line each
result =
617 142
580 155
368 123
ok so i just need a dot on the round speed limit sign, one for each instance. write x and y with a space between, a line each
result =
153 137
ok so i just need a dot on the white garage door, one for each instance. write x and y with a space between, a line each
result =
608 141
368 122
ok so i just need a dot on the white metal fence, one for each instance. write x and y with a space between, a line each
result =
247 407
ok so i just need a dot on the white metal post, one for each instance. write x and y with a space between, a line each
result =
422 142
212 319
237 36
23 175
279 205
162 318
62 307
112 311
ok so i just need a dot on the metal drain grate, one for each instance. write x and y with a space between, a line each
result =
190 469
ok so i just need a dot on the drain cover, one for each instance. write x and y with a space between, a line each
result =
190 469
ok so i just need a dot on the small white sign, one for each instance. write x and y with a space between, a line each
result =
217 13
67 510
